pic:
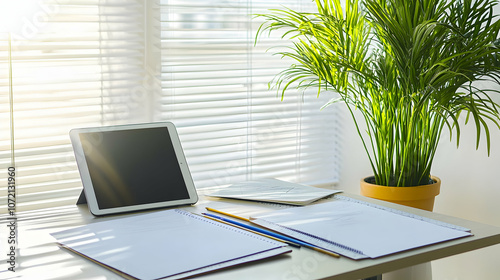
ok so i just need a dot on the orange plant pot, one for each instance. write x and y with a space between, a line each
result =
421 197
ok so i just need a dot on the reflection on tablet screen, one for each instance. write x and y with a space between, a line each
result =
133 167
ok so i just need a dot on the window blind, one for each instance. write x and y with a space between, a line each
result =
193 62
72 63
215 89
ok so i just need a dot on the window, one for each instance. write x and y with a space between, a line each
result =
192 62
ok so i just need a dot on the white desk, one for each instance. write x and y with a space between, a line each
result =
40 257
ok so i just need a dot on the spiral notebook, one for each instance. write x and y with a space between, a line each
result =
274 191
170 244
359 230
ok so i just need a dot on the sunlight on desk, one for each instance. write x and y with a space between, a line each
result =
40 257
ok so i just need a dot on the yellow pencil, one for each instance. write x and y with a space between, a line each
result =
252 231
325 251
227 214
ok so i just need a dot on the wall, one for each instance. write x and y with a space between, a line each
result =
470 190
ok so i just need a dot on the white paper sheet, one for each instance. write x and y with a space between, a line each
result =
164 243
374 232
273 190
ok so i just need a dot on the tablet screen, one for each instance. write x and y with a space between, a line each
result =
132 167
127 167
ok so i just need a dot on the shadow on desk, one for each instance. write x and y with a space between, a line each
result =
40 257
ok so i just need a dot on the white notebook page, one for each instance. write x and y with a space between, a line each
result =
273 190
164 243
374 232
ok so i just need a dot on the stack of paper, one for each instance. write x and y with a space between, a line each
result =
168 244
358 230
276 191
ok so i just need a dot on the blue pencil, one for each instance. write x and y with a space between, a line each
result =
263 231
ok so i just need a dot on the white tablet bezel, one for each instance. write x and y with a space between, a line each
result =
87 181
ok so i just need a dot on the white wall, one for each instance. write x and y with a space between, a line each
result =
470 189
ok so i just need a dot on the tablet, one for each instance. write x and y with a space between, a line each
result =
132 167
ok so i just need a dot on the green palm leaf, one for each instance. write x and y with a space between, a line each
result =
409 67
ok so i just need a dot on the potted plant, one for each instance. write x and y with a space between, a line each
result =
409 67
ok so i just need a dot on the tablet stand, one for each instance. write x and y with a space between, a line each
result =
81 198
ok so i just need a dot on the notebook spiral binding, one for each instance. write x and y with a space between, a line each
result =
244 232
314 240
403 213
326 240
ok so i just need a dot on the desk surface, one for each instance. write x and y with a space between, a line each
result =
40 257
